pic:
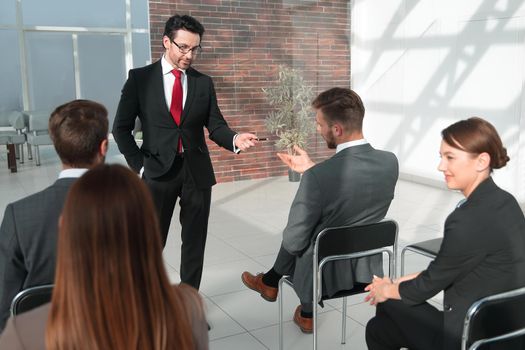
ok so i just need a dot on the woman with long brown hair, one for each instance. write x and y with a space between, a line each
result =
111 288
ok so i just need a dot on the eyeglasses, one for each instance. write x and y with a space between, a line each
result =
184 49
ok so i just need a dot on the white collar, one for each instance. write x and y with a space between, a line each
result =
166 67
73 172
348 144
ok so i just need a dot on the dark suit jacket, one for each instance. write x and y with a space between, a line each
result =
143 96
353 187
483 253
28 238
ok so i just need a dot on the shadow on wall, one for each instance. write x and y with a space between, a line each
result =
427 69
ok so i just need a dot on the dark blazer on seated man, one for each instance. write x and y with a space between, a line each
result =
28 233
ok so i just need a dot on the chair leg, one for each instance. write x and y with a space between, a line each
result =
21 149
315 321
280 297
29 152
343 323
37 155
403 262
315 301
11 157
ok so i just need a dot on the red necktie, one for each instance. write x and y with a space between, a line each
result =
176 102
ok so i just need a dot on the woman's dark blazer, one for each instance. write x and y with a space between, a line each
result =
483 253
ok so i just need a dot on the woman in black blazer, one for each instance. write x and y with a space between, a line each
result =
483 250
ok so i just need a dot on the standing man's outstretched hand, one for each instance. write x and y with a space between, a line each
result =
299 162
245 141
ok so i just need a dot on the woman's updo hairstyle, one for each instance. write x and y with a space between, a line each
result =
476 135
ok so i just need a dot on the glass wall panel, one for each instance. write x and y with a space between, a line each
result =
50 69
8 12
92 13
11 84
141 49
102 69
139 14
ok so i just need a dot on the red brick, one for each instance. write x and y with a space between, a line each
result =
244 43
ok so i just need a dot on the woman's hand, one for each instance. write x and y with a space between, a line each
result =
378 290
381 289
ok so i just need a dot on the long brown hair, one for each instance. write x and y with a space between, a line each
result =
111 288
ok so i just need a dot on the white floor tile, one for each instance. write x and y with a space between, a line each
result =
329 335
241 341
225 278
222 325
251 311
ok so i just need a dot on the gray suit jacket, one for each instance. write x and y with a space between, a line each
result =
355 186
28 238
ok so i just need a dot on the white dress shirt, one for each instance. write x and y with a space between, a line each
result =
345 145
168 80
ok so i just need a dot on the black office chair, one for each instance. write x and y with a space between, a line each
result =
338 243
429 248
31 298
496 319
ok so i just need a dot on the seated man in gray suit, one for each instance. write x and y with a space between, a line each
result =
355 186
28 234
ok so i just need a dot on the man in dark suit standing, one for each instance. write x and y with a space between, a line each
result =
174 102
353 187
28 234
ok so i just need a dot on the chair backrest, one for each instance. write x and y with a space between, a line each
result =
31 298
336 241
496 318
350 242
38 120
14 119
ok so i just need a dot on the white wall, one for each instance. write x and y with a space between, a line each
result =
422 65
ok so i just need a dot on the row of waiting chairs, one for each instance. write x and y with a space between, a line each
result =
491 319
28 127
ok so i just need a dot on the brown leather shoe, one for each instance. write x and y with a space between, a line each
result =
306 324
256 283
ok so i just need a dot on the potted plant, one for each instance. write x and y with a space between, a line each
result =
291 120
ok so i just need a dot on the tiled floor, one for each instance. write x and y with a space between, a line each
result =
244 234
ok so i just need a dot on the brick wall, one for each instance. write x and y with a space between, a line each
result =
244 43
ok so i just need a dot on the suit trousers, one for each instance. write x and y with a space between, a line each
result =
194 212
285 265
398 325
